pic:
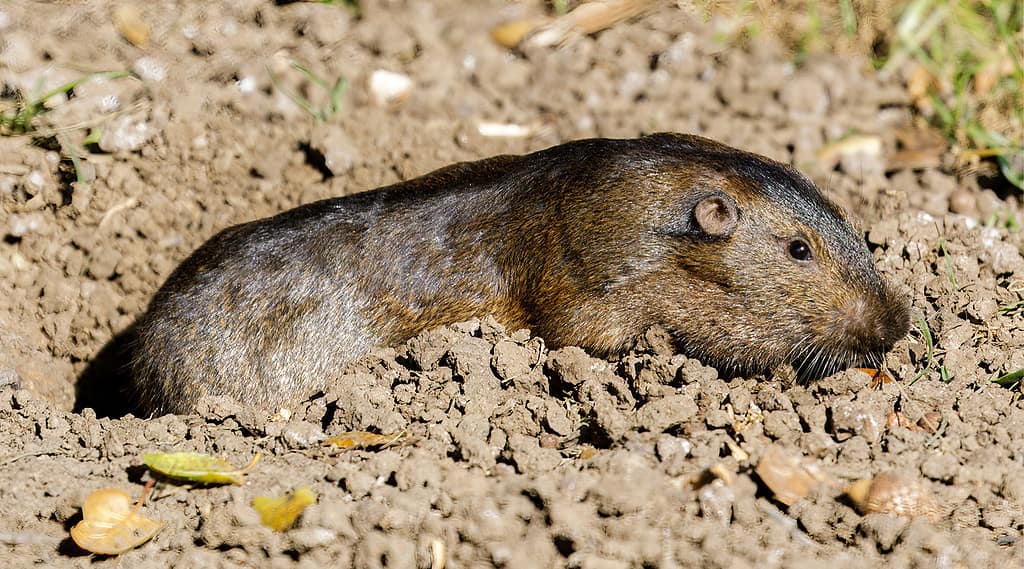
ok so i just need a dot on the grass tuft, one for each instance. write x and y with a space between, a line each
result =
968 56
19 120
560 7
965 60
1010 380
335 92
1014 309
950 273
352 5
929 342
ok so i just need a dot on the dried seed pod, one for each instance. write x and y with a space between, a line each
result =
111 525
789 476
889 493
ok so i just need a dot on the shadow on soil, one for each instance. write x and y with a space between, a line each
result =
105 385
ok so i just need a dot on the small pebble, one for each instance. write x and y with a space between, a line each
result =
149 68
962 201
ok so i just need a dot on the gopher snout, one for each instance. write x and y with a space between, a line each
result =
873 326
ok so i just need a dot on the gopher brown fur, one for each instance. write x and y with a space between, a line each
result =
588 243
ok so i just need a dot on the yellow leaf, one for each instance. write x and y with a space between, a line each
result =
878 377
111 524
132 26
280 513
196 467
363 439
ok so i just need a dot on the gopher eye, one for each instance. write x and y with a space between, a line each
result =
799 250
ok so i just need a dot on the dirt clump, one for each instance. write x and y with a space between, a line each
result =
517 456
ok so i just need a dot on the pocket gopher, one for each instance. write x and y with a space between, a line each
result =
589 243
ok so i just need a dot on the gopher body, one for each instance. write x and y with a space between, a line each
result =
740 258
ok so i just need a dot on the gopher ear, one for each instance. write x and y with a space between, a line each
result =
716 215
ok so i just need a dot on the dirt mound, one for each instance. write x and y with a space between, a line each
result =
516 456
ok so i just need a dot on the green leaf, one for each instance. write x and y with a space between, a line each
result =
197 467
1010 379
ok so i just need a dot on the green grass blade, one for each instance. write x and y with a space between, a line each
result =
1010 379
336 94
310 75
70 85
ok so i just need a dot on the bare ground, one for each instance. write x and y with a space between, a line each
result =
518 456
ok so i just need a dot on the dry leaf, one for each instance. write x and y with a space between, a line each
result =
587 452
509 34
893 494
111 524
280 513
790 477
919 148
896 419
921 138
587 18
913 160
130 24
920 81
196 467
878 377
362 439
928 423
864 144
592 17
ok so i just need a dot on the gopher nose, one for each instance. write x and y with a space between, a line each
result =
874 325
858 325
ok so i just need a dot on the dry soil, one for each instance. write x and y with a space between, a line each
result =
515 455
